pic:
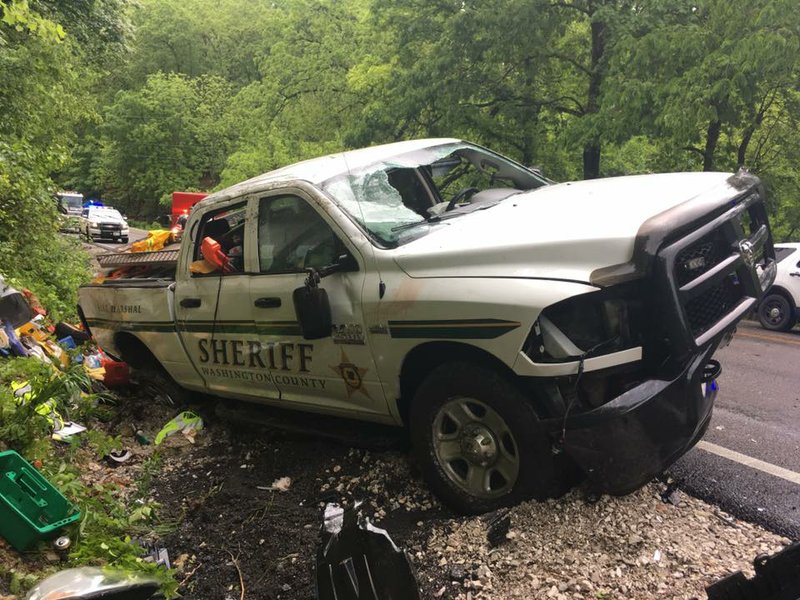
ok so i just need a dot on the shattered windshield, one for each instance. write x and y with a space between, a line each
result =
397 200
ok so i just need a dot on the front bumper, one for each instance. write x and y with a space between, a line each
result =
111 234
626 442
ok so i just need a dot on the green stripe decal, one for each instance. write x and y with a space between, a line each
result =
262 328
460 329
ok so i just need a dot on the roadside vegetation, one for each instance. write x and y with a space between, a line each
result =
114 510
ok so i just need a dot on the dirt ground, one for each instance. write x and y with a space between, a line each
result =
233 537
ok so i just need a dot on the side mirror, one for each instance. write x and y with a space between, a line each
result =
313 308
344 263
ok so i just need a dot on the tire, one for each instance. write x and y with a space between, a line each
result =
154 381
500 453
775 313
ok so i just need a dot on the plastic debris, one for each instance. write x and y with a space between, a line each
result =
776 577
93 582
118 457
187 422
357 560
497 529
67 430
140 436
281 485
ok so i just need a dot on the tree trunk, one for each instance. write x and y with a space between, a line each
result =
741 154
712 137
591 160
591 149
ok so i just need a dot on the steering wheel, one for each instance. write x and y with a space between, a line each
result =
460 196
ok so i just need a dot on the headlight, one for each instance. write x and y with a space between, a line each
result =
587 325
94 224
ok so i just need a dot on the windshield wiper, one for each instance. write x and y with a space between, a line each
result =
430 219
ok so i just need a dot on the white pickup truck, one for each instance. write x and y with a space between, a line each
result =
517 328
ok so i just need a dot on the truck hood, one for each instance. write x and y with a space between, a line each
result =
562 231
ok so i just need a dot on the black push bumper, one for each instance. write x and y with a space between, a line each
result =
626 442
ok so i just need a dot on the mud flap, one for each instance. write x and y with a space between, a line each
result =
358 561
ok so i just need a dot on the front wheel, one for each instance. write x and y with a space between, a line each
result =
775 313
478 440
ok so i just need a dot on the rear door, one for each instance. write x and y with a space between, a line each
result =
212 307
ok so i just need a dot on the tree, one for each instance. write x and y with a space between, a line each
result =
171 134
708 76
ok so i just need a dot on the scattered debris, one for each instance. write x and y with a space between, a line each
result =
61 545
118 457
354 555
155 554
186 422
281 484
776 577
671 494
497 529
140 437
67 430
31 508
93 582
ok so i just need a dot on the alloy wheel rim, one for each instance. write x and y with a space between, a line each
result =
475 448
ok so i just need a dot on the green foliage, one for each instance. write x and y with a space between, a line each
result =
22 424
166 136
31 253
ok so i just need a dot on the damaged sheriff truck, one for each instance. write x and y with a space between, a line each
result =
524 332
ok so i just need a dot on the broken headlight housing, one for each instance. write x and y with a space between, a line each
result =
587 325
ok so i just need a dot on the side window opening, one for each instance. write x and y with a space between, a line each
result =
293 236
226 229
412 189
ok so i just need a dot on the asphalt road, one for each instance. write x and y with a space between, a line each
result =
757 415
133 236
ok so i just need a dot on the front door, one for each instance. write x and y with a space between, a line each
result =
338 371
213 310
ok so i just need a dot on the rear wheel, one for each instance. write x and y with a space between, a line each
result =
775 313
478 440
158 385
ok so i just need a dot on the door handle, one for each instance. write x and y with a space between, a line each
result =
795 274
267 302
190 302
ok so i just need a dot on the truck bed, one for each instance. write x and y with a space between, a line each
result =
132 267
167 257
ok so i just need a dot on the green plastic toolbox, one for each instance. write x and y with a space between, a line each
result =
31 509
